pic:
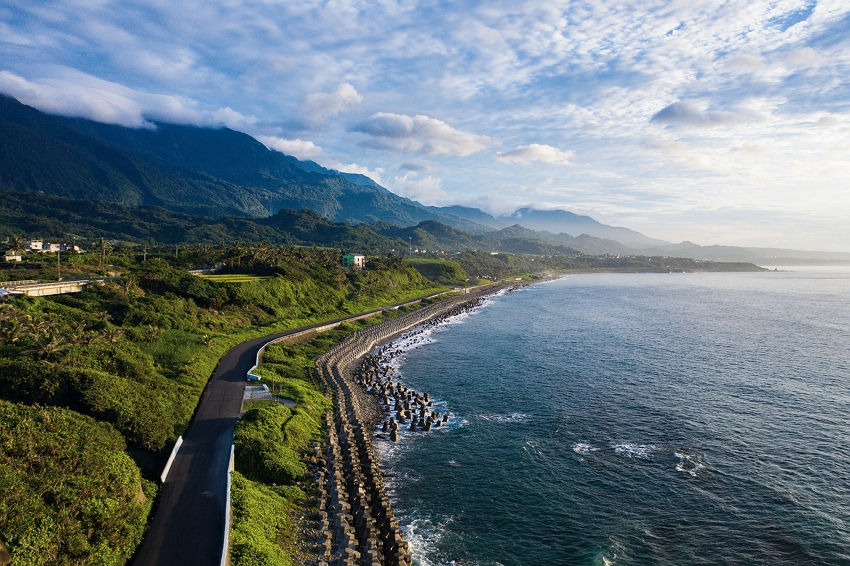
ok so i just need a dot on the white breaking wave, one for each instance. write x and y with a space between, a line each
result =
689 464
423 535
583 448
641 451
505 419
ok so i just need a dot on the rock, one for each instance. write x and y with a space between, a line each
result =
5 555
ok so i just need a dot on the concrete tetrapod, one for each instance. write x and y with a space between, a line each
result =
357 521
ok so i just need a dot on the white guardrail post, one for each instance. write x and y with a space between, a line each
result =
174 450
226 544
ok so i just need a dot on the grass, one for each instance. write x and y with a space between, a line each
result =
256 404
235 277
261 533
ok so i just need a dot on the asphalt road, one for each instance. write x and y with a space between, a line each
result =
187 528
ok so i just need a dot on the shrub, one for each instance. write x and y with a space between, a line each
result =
262 453
259 517
69 494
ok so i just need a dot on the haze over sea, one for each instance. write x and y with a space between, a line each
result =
636 419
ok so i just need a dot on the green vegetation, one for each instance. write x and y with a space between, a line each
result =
443 271
205 171
124 363
484 265
261 523
272 444
69 494
264 445
233 278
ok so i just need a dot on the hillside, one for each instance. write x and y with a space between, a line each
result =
44 216
221 173
214 172
95 386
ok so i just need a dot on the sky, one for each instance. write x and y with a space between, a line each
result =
718 122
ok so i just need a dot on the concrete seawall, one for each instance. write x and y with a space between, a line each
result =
357 521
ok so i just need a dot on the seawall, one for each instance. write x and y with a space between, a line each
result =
357 521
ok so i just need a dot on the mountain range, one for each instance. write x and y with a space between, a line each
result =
216 176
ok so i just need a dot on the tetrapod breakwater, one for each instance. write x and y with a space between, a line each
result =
357 523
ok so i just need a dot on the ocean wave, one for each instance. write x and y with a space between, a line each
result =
422 536
583 448
506 419
641 451
689 463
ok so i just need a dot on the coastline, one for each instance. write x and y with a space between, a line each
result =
357 523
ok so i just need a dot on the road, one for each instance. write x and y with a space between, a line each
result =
187 528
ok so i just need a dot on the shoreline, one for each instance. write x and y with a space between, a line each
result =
357 523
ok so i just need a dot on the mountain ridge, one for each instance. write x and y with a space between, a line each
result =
218 172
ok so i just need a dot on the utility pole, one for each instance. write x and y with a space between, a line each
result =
58 268
145 252
410 246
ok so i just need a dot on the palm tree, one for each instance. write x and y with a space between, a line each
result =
16 244
128 285
112 334
152 333
104 248
14 324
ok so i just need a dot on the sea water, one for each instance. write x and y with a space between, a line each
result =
613 419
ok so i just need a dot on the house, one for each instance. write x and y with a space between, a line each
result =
11 255
51 248
354 261
35 245
70 248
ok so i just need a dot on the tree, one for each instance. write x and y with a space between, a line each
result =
16 244
104 248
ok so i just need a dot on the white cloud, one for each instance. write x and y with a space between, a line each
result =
743 64
525 154
414 167
297 148
322 105
667 147
750 149
682 113
805 58
419 134
374 174
428 191
71 93
827 122
307 150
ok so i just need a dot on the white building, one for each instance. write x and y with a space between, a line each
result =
354 261
11 255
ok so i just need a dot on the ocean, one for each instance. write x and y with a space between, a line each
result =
630 419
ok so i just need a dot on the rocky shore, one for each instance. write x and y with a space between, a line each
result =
356 519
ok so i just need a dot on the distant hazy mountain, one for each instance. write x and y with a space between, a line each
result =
561 221
222 173
472 214
762 256
53 217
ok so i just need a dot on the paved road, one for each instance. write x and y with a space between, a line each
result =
188 525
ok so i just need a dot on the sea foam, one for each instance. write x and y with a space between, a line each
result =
642 451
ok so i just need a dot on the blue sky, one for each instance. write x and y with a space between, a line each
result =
717 122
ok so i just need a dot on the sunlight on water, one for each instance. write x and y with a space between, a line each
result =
635 419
